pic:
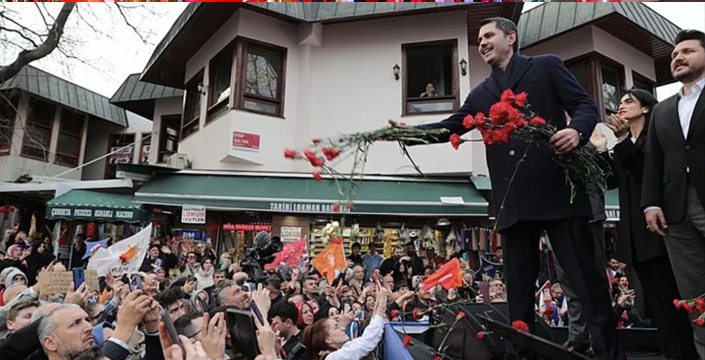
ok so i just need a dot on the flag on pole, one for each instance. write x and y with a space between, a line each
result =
449 276
125 257
291 254
332 258
93 246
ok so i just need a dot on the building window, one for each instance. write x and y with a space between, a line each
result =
642 82
8 114
430 77
610 89
37 134
219 80
68 147
145 147
261 77
192 107
168 137
122 149
602 78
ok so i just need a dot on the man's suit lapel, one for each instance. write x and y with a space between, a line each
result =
698 113
673 117
517 68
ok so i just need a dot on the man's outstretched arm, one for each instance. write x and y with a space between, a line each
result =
454 125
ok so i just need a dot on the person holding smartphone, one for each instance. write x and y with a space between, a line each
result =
325 339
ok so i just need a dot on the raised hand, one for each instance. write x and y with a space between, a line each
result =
619 126
213 333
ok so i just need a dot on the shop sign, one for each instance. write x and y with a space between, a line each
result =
193 215
245 141
247 227
92 213
190 234
289 234
306 207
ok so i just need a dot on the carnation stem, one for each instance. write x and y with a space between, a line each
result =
440 347
511 181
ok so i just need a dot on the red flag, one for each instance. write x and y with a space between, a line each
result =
291 254
449 276
330 259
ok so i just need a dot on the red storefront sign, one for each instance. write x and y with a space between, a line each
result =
245 141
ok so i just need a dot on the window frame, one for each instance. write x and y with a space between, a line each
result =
6 145
192 86
106 173
242 49
28 122
638 78
595 62
78 137
216 109
145 135
455 79
163 137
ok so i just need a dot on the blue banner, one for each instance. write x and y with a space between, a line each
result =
487 268
393 347
194 234
92 246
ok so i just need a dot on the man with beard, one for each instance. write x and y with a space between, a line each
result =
396 266
65 332
529 187
673 188
416 262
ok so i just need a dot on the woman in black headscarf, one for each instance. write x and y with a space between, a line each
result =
37 259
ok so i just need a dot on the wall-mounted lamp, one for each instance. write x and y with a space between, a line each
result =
201 89
442 222
396 69
463 67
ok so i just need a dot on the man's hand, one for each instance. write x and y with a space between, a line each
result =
262 299
152 317
655 221
266 338
565 140
78 297
213 335
132 310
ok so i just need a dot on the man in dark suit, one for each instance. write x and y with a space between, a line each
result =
673 191
529 188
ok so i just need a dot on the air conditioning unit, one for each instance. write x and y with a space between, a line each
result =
177 161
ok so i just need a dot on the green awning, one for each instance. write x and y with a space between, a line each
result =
90 205
481 182
305 195
612 205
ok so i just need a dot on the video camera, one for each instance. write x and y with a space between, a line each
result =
264 246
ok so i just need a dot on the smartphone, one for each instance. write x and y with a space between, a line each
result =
346 307
485 291
135 282
170 329
257 312
79 277
243 332
466 257
249 287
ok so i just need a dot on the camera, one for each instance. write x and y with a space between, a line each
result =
264 246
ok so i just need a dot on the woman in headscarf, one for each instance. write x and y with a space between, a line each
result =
37 259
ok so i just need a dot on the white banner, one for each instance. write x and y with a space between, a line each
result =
125 257
193 215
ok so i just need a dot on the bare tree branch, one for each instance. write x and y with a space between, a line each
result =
20 34
41 13
124 18
50 43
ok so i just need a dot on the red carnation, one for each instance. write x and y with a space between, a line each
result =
3 210
677 304
699 321
480 335
11 208
507 96
415 314
315 141
455 141
502 113
402 124
335 207
460 315
480 120
394 313
330 153
520 98
520 325
317 176
468 121
407 340
700 305
687 306
437 358
290 154
537 121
